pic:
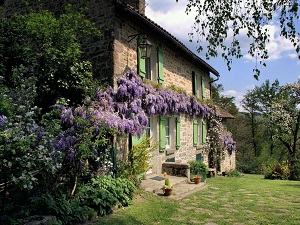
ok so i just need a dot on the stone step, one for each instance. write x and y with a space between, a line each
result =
181 186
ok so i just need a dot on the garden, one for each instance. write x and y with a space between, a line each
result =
57 123
246 199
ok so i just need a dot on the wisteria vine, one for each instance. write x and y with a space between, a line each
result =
228 142
127 108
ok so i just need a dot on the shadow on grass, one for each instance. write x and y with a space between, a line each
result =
296 184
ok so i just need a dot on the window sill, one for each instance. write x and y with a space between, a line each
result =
170 151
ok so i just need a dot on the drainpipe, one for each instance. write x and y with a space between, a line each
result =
218 77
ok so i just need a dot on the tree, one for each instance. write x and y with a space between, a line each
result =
266 94
223 101
285 118
221 22
249 103
47 48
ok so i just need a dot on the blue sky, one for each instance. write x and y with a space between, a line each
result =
282 64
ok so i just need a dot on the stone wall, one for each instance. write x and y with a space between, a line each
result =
228 162
177 71
138 4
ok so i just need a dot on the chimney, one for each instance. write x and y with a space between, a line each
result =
137 4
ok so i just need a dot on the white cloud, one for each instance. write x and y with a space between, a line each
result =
237 95
293 55
171 17
278 47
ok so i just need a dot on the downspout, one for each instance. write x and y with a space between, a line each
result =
210 83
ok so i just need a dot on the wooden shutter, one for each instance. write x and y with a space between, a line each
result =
195 132
177 133
203 87
136 140
204 132
162 133
160 63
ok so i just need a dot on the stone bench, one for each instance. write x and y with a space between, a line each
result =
176 169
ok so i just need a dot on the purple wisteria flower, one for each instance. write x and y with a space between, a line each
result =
228 142
3 120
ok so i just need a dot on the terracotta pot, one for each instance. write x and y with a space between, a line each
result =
168 191
197 180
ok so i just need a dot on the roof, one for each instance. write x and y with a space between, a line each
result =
168 36
225 114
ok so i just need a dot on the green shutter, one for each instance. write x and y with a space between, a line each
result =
136 140
177 133
195 132
204 131
194 82
162 133
141 63
160 62
203 87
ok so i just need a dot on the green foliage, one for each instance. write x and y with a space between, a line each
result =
225 102
105 193
177 89
233 173
167 184
67 211
24 145
276 170
220 24
138 160
198 168
295 168
50 50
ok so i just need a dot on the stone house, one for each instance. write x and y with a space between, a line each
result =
125 27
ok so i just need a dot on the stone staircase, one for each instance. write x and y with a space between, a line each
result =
182 187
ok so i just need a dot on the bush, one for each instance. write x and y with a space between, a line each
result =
138 161
67 211
276 170
105 193
233 173
198 168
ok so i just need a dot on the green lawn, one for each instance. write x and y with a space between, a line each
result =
232 201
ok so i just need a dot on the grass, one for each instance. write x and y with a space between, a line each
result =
232 201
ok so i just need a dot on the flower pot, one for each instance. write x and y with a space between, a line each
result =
197 180
168 191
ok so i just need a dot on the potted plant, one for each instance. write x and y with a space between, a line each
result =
198 171
167 188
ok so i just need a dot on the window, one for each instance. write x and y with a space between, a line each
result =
199 132
196 79
148 128
168 138
203 87
160 65
198 85
148 68
169 132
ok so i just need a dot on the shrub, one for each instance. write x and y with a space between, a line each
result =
276 170
105 193
233 173
67 211
198 168
138 161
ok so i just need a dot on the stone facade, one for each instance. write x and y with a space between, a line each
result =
114 53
